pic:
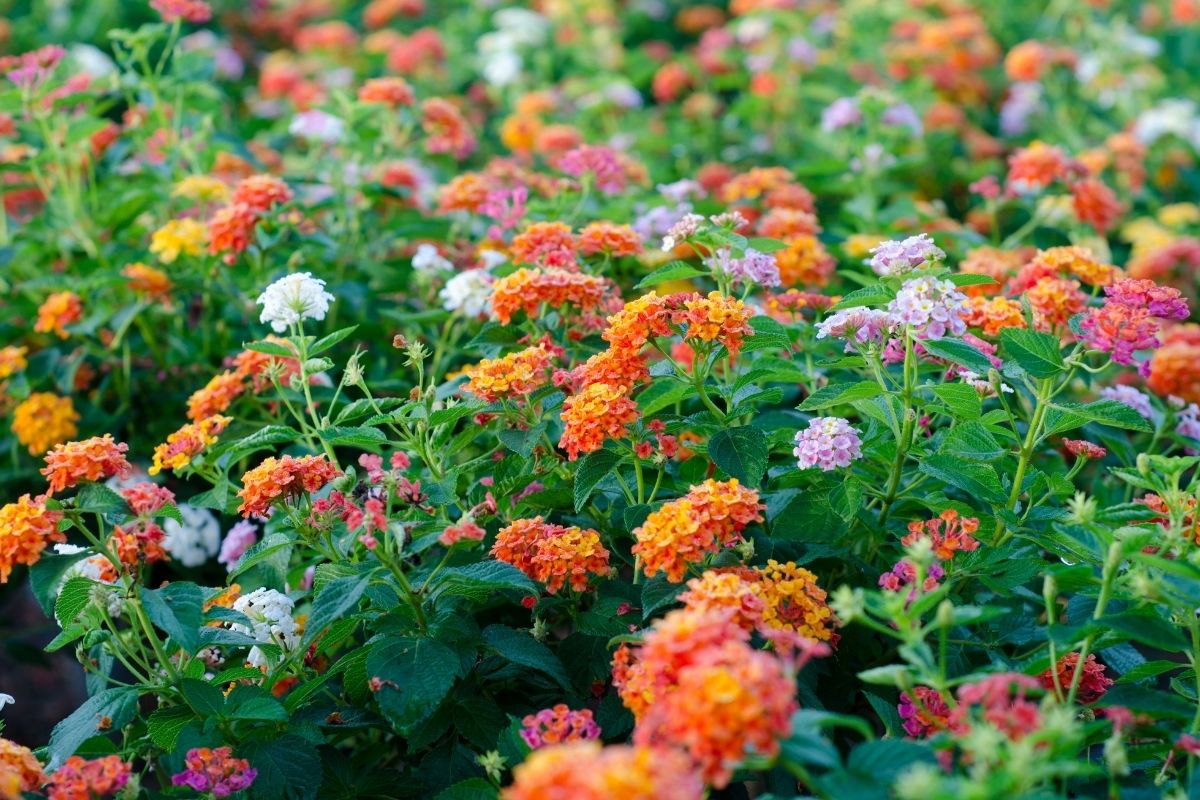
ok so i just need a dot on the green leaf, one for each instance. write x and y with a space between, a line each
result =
329 340
962 400
1148 629
363 438
97 497
592 468
165 725
482 580
961 279
958 352
417 675
337 598
521 648
866 296
741 453
76 595
47 575
1035 352
838 394
264 438
976 479
289 768
883 760
674 271
972 441
765 245
110 710
177 610
522 442
267 548
447 416
256 703
1062 417
657 593
470 789
270 348
768 335
204 698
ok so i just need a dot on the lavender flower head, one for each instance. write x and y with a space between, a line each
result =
841 113
1130 396
829 443
898 257
241 537
1188 422
687 226
902 115
858 326
931 308
753 267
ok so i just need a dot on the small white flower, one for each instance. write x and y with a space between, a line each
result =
195 541
293 298
428 259
469 291
270 615
492 258
6 699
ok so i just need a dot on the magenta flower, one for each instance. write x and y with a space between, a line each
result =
241 537
600 162
829 443
1159 301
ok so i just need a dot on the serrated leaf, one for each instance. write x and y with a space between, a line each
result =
768 335
840 394
976 479
592 468
521 648
972 441
482 580
110 710
177 610
1063 417
741 453
76 595
1035 352
418 674
962 400
165 724
866 296
673 271
338 597
288 766
329 340
958 352
361 437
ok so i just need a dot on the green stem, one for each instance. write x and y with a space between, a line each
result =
1027 448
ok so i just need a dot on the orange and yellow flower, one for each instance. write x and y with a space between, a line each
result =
89 460
281 479
588 771
188 442
20 771
43 420
710 516
994 314
59 310
716 318
527 289
598 413
216 396
794 602
26 527
610 239
12 360
178 237
150 283
515 375
805 262
552 554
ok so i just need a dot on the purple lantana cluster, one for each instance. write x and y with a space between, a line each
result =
829 443
931 308
896 257
861 327
753 267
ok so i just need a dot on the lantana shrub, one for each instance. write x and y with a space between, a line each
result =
594 400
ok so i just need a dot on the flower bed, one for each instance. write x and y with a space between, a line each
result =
591 400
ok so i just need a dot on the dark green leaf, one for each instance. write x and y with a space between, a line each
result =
741 453
1035 352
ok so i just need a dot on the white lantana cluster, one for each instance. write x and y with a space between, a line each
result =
469 291
270 614
293 298
195 541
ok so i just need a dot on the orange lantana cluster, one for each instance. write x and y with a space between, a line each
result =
779 596
527 289
696 683
587 771
20 770
59 310
597 413
188 442
283 478
552 554
96 459
710 516
515 375
26 527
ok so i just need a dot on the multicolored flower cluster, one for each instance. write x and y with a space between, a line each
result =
552 554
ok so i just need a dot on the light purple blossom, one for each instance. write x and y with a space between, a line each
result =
858 326
841 113
316 125
681 231
895 257
1024 100
1130 396
931 308
1188 421
241 537
654 223
829 443
902 115
753 267
799 49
